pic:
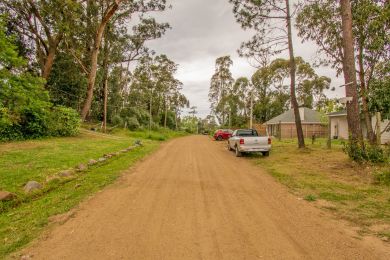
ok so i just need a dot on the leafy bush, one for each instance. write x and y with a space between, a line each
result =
63 121
34 123
141 115
8 129
370 153
382 177
132 123
375 154
117 121
355 151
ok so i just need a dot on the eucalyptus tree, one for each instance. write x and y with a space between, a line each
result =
154 85
371 31
110 9
272 22
270 84
220 86
43 24
178 102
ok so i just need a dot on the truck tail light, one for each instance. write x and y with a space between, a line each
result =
269 140
242 141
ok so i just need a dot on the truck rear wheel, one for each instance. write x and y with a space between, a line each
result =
265 153
238 153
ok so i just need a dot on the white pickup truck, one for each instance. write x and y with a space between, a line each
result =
248 141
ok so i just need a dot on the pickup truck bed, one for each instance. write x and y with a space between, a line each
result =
248 141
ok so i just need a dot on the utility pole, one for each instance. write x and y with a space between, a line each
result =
105 105
230 117
150 110
251 113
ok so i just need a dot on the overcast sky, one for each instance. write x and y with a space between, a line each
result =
202 31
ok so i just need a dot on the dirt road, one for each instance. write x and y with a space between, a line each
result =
193 199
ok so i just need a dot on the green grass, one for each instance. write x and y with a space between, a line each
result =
20 162
356 192
35 160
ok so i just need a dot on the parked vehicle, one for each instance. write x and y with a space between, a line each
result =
248 141
222 134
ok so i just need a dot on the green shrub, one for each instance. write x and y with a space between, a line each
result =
33 123
370 153
355 151
132 123
9 130
63 121
141 115
375 154
382 177
117 121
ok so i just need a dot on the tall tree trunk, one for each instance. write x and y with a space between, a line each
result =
364 92
294 102
49 60
105 104
94 57
105 80
349 70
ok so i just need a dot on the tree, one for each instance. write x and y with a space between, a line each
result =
270 85
220 87
155 88
316 22
22 95
44 24
193 111
349 69
120 8
271 38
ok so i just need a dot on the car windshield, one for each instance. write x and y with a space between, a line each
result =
247 132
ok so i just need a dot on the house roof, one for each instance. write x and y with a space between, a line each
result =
338 113
309 116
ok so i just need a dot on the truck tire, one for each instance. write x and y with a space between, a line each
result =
219 138
238 153
265 153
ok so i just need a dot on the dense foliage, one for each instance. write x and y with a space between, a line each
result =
91 59
25 108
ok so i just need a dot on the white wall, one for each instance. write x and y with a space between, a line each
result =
339 127
385 137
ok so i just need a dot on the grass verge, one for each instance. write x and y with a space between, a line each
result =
35 160
358 193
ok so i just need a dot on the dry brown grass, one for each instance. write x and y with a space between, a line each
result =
333 182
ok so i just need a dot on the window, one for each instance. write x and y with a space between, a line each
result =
249 132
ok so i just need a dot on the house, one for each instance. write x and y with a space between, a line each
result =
284 124
339 126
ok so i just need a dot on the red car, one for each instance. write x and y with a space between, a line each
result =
222 134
